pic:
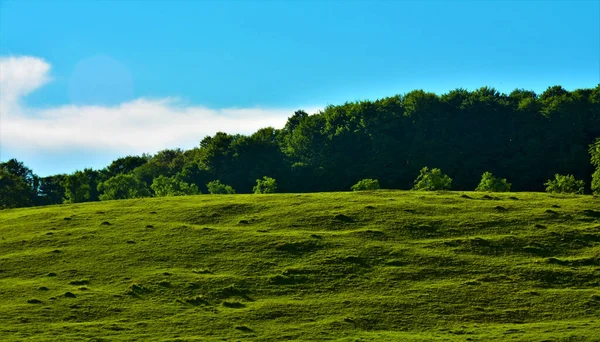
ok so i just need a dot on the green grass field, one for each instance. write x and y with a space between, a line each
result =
384 265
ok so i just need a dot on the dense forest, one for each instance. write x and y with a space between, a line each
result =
524 137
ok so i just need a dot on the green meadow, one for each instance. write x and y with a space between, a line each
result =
361 266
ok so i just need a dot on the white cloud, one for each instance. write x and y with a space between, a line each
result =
20 76
141 125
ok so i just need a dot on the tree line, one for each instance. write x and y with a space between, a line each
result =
522 136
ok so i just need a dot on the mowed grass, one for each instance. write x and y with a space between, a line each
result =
384 265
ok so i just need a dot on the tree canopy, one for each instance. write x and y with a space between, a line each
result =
523 136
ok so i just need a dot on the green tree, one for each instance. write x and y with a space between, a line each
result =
267 185
122 186
172 186
217 188
492 184
14 191
565 184
31 180
77 188
126 164
432 180
366 184
52 190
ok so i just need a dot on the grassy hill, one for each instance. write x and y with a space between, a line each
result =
385 265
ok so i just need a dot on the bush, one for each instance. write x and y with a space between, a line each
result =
493 184
432 180
267 185
366 184
565 184
171 186
596 182
595 152
217 188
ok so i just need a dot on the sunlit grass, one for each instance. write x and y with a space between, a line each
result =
383 265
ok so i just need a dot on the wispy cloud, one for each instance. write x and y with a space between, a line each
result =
140 125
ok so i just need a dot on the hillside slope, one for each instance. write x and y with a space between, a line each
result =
385 265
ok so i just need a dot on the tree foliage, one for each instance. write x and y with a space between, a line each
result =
172 186
14 191
432 180
366 184
492 184
566 184
217 188
122 186
266 185
523 136
595 153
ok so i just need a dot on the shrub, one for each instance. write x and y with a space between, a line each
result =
595 152
267 185
171 186
217 188
565 184
493 184
366 184
432 180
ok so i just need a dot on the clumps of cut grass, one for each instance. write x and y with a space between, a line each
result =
136 290
56 251
233 304
34 301
83 288
131 242
197 300
67 219
202 271
80 282
243 222
500 208
297 247
537 250
105 223
540 226
242 328
371 234
466 196
591 213
164 283
70 295
51 274
595 261
472 283
149 226
552 212
287 278
343 218
234 290
43 288
396 262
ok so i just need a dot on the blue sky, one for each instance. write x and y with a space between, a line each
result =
85 75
